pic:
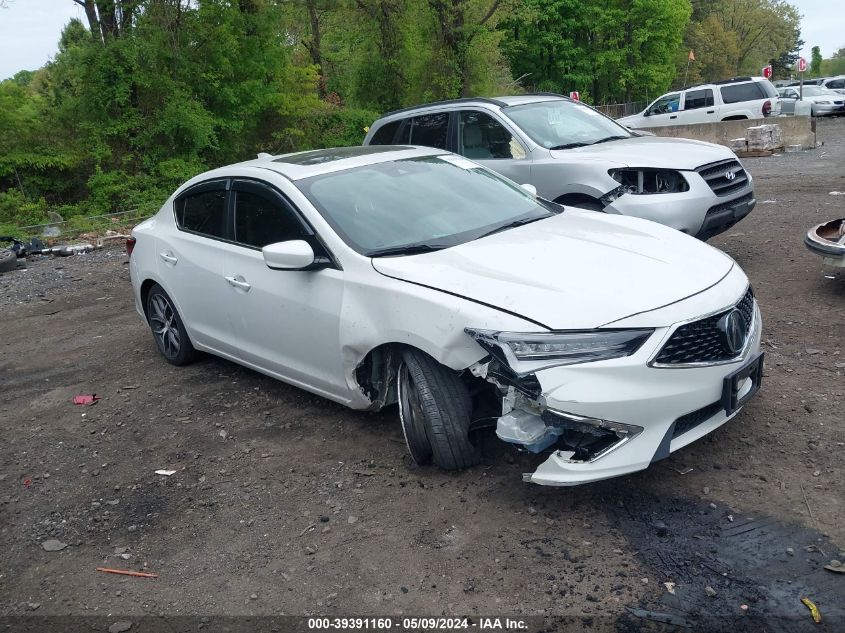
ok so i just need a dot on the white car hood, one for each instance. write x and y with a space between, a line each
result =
650 151
577 270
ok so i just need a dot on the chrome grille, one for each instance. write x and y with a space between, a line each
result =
700 341
715 175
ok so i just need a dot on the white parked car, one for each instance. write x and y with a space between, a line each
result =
377 275
728 100
575 155
823 101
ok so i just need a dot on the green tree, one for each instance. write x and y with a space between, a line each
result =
816 61
618 50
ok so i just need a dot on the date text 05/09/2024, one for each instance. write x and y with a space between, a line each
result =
418 623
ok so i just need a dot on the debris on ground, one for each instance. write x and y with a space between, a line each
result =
126 572
166 473
814 610
835 566
86 399
53 545
121 626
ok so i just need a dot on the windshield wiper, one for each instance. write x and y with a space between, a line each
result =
408 249
609 138
514 224
569 145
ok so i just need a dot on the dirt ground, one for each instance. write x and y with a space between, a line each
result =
285 503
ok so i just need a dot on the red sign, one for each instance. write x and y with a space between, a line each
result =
575 96
802 65
767 71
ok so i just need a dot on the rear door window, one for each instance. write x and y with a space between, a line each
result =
202 210
698 99
735 93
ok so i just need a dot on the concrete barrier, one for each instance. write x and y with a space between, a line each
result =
795 130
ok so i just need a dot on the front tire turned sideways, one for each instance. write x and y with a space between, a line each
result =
435 410
168 331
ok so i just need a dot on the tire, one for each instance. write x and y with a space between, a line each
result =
167 328
8 260
435 409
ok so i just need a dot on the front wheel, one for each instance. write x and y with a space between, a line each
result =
435 409
168 330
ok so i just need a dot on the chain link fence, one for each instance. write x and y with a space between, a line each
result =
617 110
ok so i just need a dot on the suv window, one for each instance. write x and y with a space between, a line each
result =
698 99
203 212
384 135
481 136
665 104
750 91
262 217
428 129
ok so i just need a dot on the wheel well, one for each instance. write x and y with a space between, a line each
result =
579 199
736 117
145 291
376 374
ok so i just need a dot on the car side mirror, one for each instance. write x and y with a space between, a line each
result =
530 189
290 255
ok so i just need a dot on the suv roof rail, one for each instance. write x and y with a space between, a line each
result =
721 82
446 102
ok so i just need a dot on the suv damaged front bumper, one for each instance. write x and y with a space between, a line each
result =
698 211
601 420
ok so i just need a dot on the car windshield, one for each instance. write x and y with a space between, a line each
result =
561 124
417 205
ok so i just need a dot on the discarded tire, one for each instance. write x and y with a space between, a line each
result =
8 260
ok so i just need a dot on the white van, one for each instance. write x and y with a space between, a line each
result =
731 99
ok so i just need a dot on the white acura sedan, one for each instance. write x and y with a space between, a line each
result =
381 275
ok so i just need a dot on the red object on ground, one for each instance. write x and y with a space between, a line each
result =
86 399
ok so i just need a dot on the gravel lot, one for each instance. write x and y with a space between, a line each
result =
285 503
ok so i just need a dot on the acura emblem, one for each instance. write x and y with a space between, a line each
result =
733 331
730 175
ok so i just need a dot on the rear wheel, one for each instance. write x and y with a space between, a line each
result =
435 409
168 331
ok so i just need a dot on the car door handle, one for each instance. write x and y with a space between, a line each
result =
170 259
674 116
238 283
710 111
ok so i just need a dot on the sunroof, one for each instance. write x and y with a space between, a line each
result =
339 153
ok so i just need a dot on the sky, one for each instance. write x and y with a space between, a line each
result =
30 29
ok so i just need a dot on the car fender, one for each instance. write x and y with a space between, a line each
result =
417 316
587 177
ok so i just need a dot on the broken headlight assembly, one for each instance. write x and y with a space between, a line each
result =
528 352
645 181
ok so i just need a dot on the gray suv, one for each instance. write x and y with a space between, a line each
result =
575 155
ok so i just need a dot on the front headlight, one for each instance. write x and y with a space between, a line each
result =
640 181
528 352
824 102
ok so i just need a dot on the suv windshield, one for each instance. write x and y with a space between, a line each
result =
561 124
417 205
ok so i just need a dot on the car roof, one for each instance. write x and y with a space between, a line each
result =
322 161
502 102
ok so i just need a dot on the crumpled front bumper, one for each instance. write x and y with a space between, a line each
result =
662 401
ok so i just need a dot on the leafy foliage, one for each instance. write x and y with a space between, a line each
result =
147 93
